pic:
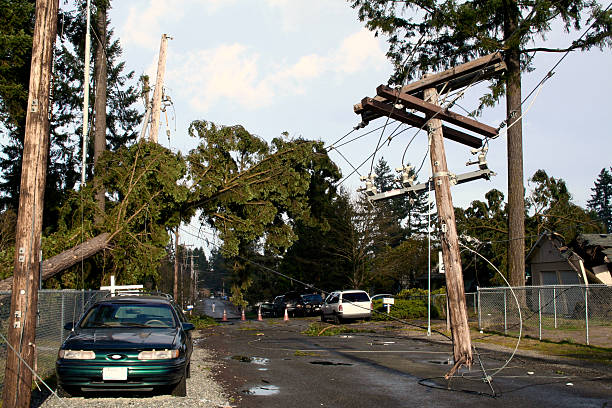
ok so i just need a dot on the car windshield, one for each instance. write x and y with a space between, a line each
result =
312 298
355 297
129 315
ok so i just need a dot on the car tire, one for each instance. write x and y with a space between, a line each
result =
65 392
322 317
337 319
180 389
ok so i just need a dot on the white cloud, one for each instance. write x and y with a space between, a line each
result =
295 15
228 72
358 50
148 19
234 74
144 24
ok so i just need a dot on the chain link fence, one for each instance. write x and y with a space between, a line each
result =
55 309
574 313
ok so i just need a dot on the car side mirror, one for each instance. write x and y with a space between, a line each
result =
188 326
69 326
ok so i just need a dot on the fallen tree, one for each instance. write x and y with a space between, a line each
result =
68 258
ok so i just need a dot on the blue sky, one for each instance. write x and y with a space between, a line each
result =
300 65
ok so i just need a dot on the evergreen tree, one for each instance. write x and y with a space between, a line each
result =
66 109
554 211
389 214
601 200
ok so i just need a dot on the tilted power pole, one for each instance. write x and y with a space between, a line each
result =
159 85
422 96
455 291
24 298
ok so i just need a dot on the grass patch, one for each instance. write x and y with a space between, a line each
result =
248 328
563 348
202 321
300 353
320 329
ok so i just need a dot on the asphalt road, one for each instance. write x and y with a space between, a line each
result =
272 364
215 307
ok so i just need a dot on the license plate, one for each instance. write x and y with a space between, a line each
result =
114 373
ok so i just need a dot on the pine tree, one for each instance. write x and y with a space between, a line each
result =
601 200
67 98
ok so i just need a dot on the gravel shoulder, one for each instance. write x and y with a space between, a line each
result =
202 388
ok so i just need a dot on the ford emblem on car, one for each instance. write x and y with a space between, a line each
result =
116 356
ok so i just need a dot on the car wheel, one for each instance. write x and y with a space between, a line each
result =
322 317
337 319
180 389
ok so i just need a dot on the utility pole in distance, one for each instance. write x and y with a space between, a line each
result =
24 298
176 264
462 344
157 93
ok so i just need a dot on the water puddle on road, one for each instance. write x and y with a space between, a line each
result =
330 363
263 390
441 362
254 360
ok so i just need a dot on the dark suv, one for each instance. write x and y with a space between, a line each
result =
312 304
292 302
127 343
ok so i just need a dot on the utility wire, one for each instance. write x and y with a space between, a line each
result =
265 268
334 146
548 75
389 138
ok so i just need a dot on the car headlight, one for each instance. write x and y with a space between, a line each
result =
77 354
158 354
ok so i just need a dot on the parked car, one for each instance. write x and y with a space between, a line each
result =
346 304
312 304
267 309
127 343
279 306
293 303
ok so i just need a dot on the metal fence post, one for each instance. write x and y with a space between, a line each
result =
479 311
555 304
540 311
505 314
62 323
586 312
475 303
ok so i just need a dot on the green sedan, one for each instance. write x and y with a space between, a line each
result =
127 343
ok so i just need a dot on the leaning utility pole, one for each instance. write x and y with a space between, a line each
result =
24 297
422 96
455 291
159 84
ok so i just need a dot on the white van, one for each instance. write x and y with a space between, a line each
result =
346 304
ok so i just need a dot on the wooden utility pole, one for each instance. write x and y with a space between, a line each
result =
24 298
462 344
159 84
100 104
176 263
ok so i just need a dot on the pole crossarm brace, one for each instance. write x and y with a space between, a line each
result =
417 188
461 75
430 110
454 78
385 109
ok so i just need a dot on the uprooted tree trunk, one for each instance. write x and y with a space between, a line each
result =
68 258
